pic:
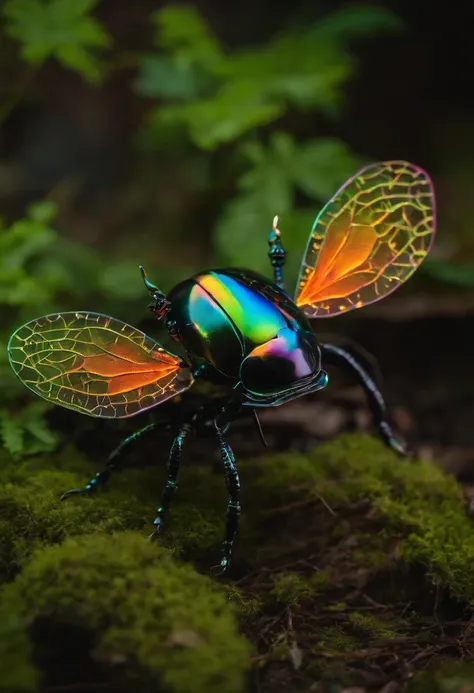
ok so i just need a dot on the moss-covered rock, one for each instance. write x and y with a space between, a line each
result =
347 551
32 514
153 615
17 672
418 509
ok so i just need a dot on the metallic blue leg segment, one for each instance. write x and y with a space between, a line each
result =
276 253
115 463
174 462
233 508
340 357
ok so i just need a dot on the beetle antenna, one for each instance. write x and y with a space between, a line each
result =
275 224
259 428
152 289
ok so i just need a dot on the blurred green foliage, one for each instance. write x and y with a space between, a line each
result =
58 29
218 98
451 272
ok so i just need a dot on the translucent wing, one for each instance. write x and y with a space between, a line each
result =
369 238
95 364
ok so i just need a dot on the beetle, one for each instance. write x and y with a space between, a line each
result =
239 327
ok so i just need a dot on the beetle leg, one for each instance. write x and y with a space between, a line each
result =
233 507
340 357
174 461
276 253
115 463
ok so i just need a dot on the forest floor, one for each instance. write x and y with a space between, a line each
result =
353 571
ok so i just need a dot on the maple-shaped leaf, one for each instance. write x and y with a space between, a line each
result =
60 29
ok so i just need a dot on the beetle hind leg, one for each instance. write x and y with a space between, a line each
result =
115 463
340 357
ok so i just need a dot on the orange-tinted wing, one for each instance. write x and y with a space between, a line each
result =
368 239
95 364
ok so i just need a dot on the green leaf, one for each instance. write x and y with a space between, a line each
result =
323 165
23 241
58 29
213 122
181 32
241 234
317 167
11 432
293 69
122 280
356 20
38 436
161 77
42 212
276 171
306 68
272 175
26 432
450 272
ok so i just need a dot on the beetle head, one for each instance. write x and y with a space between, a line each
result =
160 305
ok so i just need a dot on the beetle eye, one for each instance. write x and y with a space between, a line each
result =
160 305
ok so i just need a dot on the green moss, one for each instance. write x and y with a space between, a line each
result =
341 529
16 670
246 605
32 515
337 606
449 677
352 635
420 506
335 639
371 626
143 607
333 676
289 587
280 652
383 513
373 550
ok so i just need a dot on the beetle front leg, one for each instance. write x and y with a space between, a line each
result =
340 357
174 462
233 507
276 253
115 463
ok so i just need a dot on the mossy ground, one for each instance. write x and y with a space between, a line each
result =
353 568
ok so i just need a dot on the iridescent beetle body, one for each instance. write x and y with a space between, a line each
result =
249 330
235 324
